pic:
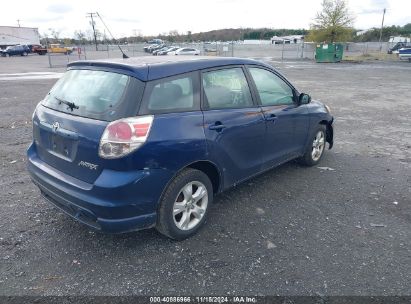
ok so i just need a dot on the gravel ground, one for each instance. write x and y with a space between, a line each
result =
291 231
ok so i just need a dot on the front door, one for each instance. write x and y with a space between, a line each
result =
286 121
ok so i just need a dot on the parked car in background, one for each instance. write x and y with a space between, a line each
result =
395 49
155 41
404 53
185 51
33 47
39 49
156 47
16 50
150 48
58 49
145 49
155 52
169 50
124 145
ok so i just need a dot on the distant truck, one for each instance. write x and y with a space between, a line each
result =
39 49
395 39
53 48
57 48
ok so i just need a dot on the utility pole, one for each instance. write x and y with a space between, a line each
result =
18 22
382 25
91 15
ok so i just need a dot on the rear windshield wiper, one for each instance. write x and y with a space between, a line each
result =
70 104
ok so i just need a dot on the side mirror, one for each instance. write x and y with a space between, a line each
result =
304 98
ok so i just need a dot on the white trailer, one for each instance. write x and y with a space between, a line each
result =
395 39
13 35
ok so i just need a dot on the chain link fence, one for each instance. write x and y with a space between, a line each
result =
293 51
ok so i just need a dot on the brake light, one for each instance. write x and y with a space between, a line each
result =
119 130
124 136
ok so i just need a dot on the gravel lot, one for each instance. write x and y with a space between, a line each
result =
291 231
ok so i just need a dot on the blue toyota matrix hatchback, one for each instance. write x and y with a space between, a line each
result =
129 144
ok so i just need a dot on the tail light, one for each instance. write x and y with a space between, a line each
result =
124 136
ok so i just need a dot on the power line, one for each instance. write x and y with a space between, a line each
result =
91 15
108 30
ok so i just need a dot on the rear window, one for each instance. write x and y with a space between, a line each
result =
95 94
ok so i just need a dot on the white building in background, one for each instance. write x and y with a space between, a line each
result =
287 39
251 41
361 32
12 35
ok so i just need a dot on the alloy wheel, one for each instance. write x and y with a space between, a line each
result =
318 146
190 205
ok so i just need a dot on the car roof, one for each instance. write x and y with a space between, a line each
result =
148 68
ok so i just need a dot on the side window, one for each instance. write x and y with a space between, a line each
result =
173 94
226 88
271 88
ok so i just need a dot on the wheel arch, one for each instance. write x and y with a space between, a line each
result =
211 170
207 167
329 132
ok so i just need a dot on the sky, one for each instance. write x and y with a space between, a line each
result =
151 17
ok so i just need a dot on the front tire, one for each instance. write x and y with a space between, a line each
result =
315 148
184 204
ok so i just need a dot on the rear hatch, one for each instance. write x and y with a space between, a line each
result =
69 122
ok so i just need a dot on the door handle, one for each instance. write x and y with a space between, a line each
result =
218 126
270 117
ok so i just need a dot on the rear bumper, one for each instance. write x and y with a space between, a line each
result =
116 202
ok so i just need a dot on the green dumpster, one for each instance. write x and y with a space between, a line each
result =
329 52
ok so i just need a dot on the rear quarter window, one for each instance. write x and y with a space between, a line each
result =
172 94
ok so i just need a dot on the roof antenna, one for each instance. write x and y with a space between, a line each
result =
121 50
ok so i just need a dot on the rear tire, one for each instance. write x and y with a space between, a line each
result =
184 204
316 147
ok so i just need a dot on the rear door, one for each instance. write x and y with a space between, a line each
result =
233 124
177 136
286 121
69 122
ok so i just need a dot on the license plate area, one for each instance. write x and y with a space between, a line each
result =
62 147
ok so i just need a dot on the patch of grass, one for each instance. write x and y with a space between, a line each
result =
372 56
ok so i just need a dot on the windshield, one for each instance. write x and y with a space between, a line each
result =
93 94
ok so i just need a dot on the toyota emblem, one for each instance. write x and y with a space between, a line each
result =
55 126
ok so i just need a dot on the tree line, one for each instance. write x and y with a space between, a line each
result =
234 35
334 23
387 31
